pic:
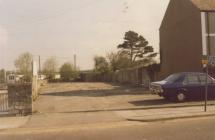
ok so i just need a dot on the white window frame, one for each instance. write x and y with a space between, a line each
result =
204 34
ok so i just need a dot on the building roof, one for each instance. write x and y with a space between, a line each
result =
204 5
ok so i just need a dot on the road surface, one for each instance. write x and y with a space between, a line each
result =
189 129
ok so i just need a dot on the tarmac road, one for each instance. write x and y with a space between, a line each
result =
188 129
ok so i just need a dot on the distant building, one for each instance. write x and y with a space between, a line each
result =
13 78
184 36
57 76
41 77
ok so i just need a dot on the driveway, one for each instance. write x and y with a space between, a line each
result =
66 104
94 97
77 97
62 104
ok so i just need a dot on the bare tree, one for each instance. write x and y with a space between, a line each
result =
50 67
68 72
100 65
118 61
24 65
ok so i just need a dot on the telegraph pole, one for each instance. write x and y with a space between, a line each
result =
39 65
5 76
75 61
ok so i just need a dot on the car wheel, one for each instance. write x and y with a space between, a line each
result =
181 97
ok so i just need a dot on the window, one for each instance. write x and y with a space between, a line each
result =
209 27
203 79
191 79
211 16
11 77
172 78
212 45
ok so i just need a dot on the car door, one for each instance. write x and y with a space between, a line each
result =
193 87
202 79
211 86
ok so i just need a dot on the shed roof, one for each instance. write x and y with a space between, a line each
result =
204 5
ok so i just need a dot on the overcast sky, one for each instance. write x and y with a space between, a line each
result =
63 28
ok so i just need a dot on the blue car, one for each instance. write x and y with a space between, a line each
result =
182 86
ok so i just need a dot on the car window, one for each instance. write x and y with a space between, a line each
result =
192 80
172 78
203 79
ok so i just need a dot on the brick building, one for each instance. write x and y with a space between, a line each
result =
184 35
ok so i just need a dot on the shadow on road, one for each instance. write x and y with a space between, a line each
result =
161 102
98 93
150 102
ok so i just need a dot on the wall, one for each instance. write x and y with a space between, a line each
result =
20 98
36 86
22 95
180 39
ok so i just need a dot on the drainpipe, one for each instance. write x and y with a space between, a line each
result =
208 53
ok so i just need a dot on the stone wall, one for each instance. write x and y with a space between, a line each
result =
20 98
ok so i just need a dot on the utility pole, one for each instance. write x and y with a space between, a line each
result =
5 76
39 66
75 61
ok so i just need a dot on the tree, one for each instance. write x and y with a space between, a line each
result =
2 75
68 72
118 61
101 65
136 46
24 65
50 68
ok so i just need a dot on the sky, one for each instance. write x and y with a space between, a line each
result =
62 28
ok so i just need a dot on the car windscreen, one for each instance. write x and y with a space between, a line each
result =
172 78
